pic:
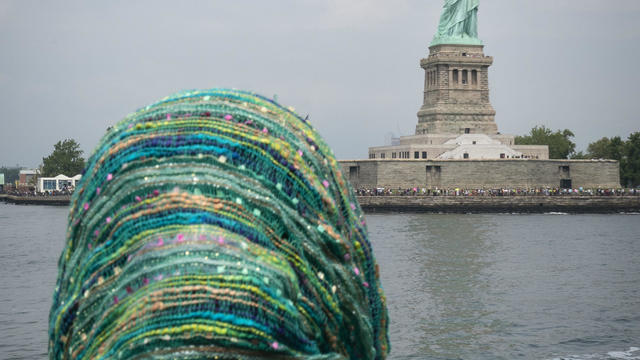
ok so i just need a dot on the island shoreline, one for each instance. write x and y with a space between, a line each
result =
62 200
501 204
447 204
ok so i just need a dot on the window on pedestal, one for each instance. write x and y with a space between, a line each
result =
424 154
474 77
416 154
465 77
455 76
465 155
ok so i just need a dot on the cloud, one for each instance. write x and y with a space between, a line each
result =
363 13
5 8
585 6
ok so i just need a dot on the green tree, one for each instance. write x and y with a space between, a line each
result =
630 161
626 152
66 159
11 173
560 144
579 155
606 148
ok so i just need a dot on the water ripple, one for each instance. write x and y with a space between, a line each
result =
458 286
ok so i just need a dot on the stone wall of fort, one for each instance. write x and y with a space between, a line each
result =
472 174
500 204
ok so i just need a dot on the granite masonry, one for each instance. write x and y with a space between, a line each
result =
457 143
501 204
478 174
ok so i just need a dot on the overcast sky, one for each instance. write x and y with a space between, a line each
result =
70 69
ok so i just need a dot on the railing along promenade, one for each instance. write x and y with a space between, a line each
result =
458 200
500 200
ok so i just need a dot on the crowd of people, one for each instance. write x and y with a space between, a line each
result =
417 191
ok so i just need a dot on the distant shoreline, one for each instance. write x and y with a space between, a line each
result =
58 200
447 204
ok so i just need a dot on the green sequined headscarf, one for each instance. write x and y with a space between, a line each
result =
216 223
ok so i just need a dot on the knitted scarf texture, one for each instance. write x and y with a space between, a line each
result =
216 224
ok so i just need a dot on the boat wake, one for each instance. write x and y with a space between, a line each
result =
632 354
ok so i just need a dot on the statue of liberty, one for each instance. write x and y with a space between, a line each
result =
458 23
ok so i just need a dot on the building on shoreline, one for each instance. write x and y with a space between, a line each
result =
456 141
58 183
27 178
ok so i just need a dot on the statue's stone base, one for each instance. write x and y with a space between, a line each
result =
456 120
456 95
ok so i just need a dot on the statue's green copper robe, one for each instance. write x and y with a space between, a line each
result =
458 23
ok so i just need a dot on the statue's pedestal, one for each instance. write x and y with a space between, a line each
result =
456 92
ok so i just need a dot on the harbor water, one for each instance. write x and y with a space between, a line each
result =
492 286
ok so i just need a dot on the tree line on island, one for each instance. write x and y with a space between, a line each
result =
66 157
561 146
